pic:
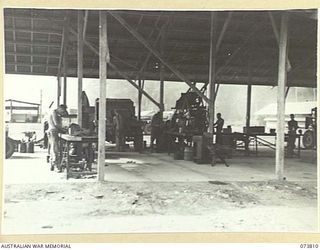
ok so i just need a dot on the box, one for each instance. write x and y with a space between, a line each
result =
254 130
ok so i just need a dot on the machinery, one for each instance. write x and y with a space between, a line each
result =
190 114
309 138
121 123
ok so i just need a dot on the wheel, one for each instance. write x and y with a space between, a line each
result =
308 139
10 144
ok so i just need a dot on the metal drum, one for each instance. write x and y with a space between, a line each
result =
30 147
23 147
188 154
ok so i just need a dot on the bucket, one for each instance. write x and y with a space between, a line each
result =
188 154
30 147
23 147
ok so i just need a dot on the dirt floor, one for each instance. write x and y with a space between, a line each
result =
154 193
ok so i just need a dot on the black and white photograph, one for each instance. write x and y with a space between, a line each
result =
159 121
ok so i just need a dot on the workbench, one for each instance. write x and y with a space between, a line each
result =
82 161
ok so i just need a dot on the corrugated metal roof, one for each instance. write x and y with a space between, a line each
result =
33 39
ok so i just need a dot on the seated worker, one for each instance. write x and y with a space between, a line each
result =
292 132
218 125
156 122
55 127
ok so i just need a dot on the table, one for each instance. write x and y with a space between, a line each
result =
84 156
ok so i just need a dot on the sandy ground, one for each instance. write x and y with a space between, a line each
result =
153 193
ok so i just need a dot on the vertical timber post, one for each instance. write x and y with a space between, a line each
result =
162 68
65 63
139 99
58 90
102 98
282 78
248 113
11 120
212 69
80 65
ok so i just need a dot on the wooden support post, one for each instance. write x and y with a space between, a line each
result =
139 99
80 64
248 115
65 59
249 90
212 71
103 55
282 78
162 71
11 120
65 68
58 90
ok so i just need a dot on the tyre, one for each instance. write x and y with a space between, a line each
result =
10 145
308 139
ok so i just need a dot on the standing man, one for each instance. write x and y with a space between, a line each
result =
156 122
55 127
218 125
292 132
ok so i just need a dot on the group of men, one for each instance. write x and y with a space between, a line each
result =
218 126
53 127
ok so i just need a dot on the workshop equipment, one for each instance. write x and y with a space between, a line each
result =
76 154
309 138
190 114
121 123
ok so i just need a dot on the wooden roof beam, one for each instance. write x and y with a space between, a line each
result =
277 36
45 32
33 54
124 75
157 54
27 43
223 30
62 46
85 22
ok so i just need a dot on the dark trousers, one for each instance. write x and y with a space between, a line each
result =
291 143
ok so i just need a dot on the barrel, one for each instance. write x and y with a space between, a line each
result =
188 154
30 147
23 147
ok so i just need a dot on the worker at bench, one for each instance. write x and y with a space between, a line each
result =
55 127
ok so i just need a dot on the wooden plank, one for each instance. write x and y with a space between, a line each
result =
248 115
139 99
157 55
58 90
162 71
282 78
80 64
212 70
103 54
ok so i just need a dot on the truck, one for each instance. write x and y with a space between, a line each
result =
121 123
